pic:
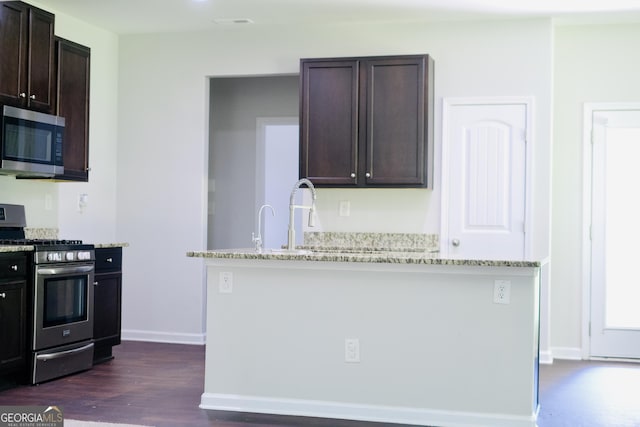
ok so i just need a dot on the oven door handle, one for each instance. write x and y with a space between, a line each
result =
65 270
60 354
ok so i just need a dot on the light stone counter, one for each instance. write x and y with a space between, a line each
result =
111 245
25 248
390 248
357 255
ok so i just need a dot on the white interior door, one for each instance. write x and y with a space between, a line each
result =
484 173
615 231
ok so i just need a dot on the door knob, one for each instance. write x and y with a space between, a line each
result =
455 242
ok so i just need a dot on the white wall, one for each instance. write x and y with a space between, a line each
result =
592 64
162 149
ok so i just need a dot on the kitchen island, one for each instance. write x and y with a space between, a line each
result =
403 337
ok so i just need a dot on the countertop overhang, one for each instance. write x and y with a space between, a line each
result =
360 256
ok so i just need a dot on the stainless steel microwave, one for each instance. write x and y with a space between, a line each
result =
31 143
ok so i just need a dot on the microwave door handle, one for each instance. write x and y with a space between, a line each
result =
50 271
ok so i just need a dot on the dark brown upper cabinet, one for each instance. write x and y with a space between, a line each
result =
26 52
367 121
72 103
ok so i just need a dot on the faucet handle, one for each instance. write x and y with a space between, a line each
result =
257 240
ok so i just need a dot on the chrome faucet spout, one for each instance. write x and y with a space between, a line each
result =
291 238
257 239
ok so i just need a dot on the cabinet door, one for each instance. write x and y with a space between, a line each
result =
72 94
12 318
13 51
26 49
394 91
329 122
107 307
41 88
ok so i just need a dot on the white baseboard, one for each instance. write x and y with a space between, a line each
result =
360 412
566 353
546 357
165 337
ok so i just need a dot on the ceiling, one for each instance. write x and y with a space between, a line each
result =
152 16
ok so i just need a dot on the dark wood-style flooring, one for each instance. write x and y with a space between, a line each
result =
160 385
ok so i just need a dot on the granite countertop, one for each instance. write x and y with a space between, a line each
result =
391 248
357 255
25 248
111 245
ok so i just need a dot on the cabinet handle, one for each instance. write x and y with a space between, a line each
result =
22 95
353 175
32 97
3 295
96 283
14 267
109 259
368 175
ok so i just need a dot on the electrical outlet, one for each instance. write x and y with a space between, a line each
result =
225 286
83 201
352 350
345 208
502 291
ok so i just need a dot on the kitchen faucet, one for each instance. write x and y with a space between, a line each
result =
257 240
291 241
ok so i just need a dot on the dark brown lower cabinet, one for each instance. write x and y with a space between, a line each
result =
13 311
107 302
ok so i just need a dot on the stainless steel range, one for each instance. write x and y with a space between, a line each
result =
61 299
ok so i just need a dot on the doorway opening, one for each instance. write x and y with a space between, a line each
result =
613 140
277 160
237 107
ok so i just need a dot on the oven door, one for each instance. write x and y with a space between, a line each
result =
63 304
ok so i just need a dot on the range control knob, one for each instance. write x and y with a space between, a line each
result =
69 256
54 256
